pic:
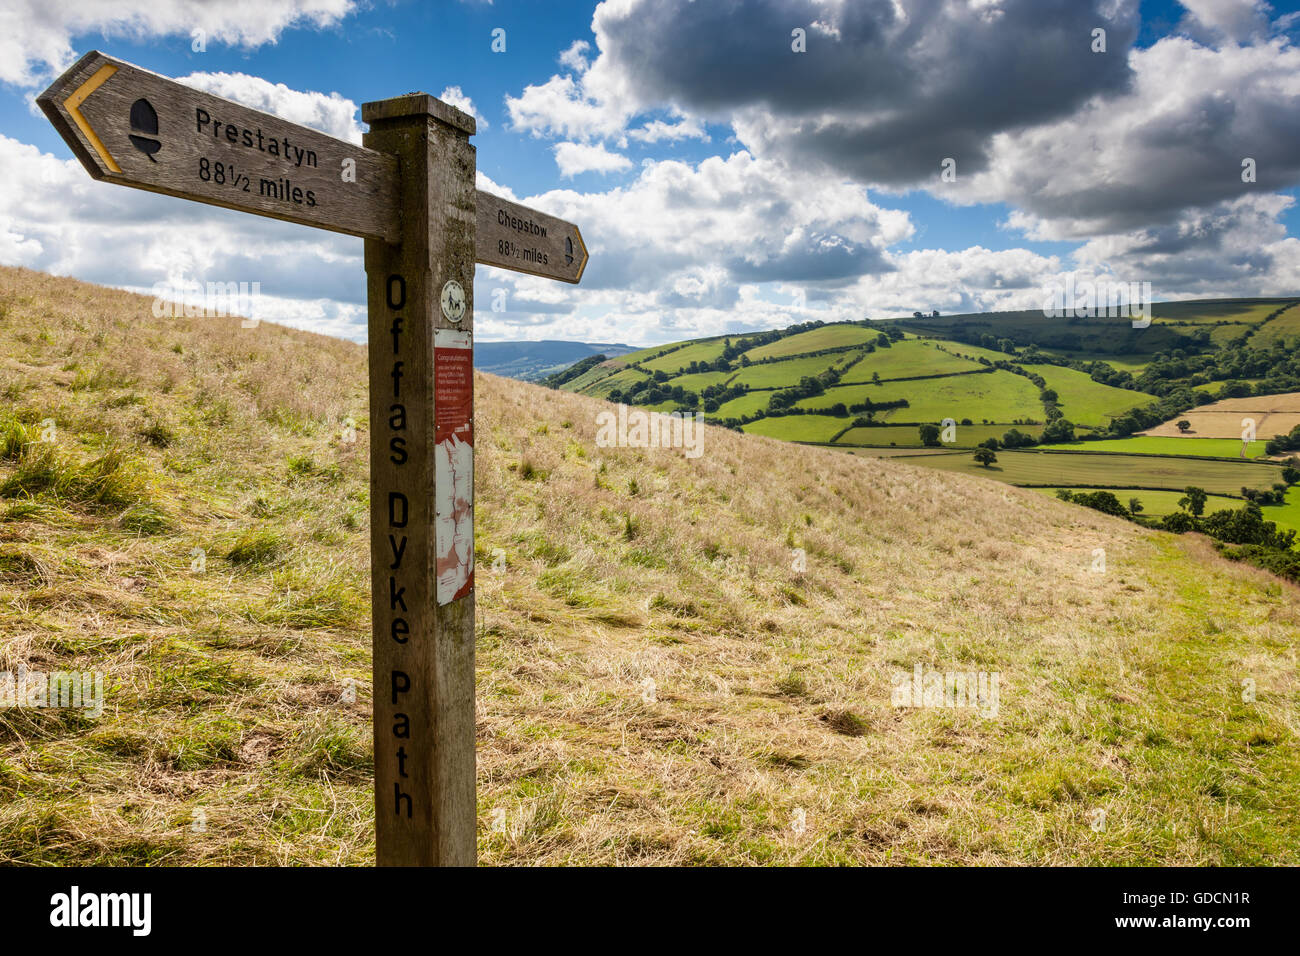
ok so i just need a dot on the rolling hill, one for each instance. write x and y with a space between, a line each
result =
533 361
679 660
1095 389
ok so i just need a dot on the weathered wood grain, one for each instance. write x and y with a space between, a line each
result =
515 237
211 150
425 812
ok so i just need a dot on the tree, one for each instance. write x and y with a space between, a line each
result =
1184 425
1193 500
985 456
1290 474
930 435
1057 430
875 378
1135 505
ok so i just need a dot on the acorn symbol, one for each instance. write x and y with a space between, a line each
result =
144 119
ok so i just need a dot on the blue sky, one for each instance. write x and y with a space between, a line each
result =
790 185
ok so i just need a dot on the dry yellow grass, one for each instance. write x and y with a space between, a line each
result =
1272 414
657 683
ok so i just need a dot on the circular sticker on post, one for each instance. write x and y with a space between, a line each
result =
453 301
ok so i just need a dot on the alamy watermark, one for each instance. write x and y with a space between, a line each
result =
976 690
200 300
635 428
78 690
1103 299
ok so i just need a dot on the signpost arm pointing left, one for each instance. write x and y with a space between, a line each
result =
409 191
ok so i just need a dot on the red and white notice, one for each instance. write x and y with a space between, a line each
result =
453 423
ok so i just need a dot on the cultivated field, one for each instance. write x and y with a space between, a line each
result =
1086 402
997 396
1063 469
1272 414
827 337
1182 446
907 359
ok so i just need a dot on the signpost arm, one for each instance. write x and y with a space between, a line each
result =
420 293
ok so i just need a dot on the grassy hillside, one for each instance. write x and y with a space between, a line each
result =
657 683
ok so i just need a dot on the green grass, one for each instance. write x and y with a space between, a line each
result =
587 379
1057 469
1286 515
1122 363
814 340
699 381
1222 334
642 355
1286 327
744 405
907 359
1086 402
1200 312
1149 445
707 350
798 427
621 380
787 372
968 436
1160 503
998 396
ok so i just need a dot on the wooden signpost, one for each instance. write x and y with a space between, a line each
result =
409 191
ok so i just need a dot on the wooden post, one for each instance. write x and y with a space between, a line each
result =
410 193
420 293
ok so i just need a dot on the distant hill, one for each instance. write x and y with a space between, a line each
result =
533 361
677 658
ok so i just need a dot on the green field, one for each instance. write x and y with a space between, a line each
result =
587 379
1064 470
798 427
968 436
1123 363
998 396
623 379
1159 503
1171 323
1086 402
745 405
1222 334
1200 312
1286 327
971 352
814 340
641 355
907 359
708 350
1148 445
788 371
698 381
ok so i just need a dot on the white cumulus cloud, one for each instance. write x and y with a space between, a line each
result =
574 158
